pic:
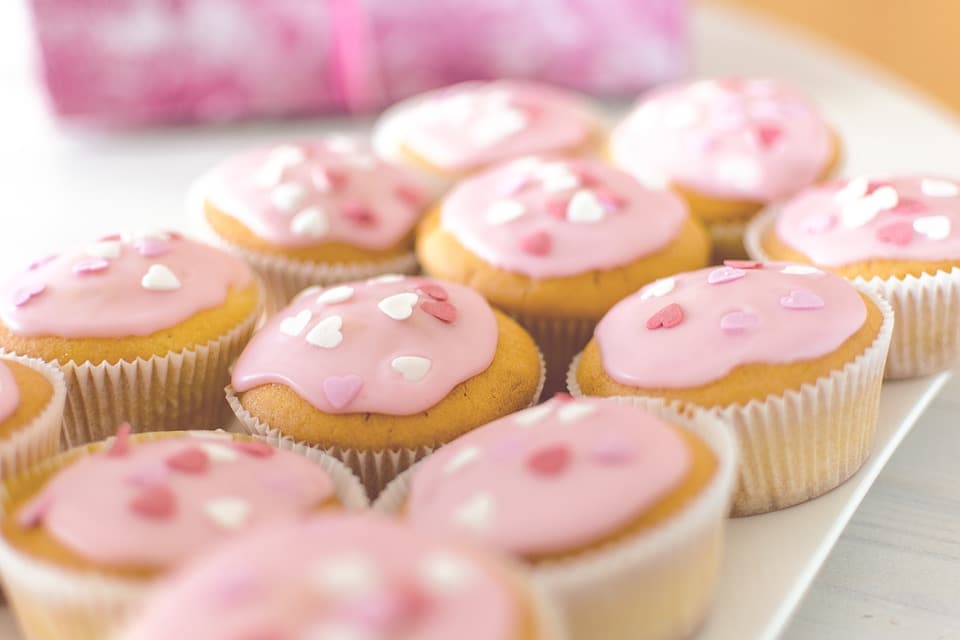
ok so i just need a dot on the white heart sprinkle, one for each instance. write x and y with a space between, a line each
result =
218 452
349 574
229 513
326 333
585 207
934 227
133 236
497 126
504 211
311 221
398 306
412 368
309 291
858 213
287 196
939 188
269 175
335 295
532 415
462 458
739 171
341 144
852 191
444 572
800 270
159 278
294 325
108 249
659 288
557 177
387 278
476 514
885 198
680 115
573 411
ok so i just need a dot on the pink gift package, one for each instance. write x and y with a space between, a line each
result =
147 61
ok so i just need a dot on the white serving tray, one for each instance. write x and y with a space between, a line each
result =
59 186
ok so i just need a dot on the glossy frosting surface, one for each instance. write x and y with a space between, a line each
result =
336 578
117 287
556 477
696 327
9 393
733 138
902 218
391 345
328 190
585 215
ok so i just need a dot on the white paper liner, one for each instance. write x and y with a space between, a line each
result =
803 443
374 468
657 584
40 438
53 602
559 339
926 336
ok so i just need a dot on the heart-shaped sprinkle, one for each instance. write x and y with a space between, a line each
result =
658 288
445 572
461 459
255 448
159 277
158 503
341 390
818 224
399 306
768 135
121 442
36 264
854 190
191 460
933 227
858 213
25 294
387 278
309 291
532 415
908 206
287 155
433 290
151 247
287 196
939 188
574 411
885 198
443 311
412 368
556 208
549 460
220 452
108 250
477 513
341 144
90 265
610 202
725 274
31 515
359 215
612 452
335 295
270 174
563 397
311 222
503 211
537 243
743 264
800 270
326 333
408 194
230 514
585 208
350 574
557 177
328 179
899 233
668 317
801 300
739 321
293 326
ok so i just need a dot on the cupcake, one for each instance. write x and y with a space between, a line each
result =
85 534
143 328
728 146
557 242
447 133
32 394
317 212
789 356
899 237
618 513
379 373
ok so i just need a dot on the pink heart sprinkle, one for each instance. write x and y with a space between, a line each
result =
408 194
667 318
33 513
550 460
612 451
899 233
586 180
725 274
324 176
151 247
36 264
90 265
909 205
255 448
818 224
432 290
610 202
121 442
341 390
538 243
359 215
802 300
25 294
738 321
155 502
743 264
191 460
443 311
768 135
556 208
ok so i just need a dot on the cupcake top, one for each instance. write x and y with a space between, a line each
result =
334 578
694 328
391 345
131 285
152 503
550 478
548 218
735 138
476 123
330 190
9 393
903 218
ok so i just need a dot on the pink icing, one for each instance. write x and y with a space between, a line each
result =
349 355
336 577
472 124
139 507
766 316
130 296
736 138
555 477
903 218
332 190
572 216
9 393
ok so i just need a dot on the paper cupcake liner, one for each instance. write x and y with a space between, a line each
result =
926 336
654 585
559 339
40 438
374 468
803 443
52 602
727 240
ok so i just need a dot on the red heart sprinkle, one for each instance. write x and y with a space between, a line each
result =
667 318
537 243
909 205
435 291
742 264
409 194
359 215
768 135
557 208
440 310
561 396
121 443
898 233
255 448
155 502
191 460
549 460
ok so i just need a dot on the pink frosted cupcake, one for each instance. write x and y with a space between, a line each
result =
32 394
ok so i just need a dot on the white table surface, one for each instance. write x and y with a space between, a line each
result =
895 572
